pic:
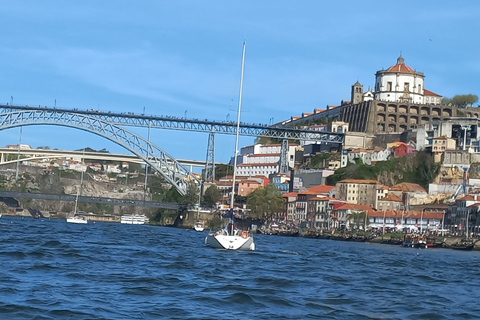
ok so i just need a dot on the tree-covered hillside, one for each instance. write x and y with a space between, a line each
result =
416 169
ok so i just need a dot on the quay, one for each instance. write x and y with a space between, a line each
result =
391 238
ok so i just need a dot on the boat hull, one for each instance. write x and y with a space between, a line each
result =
228 242
133 219
77 220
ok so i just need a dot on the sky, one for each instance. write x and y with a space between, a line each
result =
183 58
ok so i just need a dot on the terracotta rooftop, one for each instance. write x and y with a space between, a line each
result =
321 188
391 197
400 67
430 93
289 194
409 187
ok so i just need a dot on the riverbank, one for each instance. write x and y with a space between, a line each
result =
430 241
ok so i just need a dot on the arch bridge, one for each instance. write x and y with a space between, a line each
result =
110 125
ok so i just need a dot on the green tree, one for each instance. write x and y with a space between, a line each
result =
425 169
211 195
265 202
461 100
192 197
223 170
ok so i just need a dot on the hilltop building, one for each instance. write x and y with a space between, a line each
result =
399 103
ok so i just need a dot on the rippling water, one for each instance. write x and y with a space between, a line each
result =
54 270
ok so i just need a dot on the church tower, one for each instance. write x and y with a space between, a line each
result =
357 93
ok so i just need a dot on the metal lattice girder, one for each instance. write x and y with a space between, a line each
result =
284 157
210 163
174 123
178 175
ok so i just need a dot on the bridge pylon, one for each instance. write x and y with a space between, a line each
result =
284 157
209 173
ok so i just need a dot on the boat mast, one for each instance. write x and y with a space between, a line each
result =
238 128
81 183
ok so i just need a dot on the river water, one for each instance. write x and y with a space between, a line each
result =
54 270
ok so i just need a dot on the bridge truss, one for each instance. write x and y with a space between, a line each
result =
175 173
110 125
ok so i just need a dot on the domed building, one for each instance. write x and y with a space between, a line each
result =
399 83
397 103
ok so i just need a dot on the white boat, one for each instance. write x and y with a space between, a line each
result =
0 214
134 219
198 226
75 218
231 238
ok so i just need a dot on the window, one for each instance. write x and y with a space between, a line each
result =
389 86
406 87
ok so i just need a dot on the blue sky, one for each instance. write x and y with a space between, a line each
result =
182 58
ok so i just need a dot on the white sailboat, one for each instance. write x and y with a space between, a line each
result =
75 218
231 238
198 226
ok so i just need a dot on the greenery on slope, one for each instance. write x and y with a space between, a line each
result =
418 169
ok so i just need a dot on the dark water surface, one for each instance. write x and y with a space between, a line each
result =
54 270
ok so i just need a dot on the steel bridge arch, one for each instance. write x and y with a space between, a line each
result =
175 173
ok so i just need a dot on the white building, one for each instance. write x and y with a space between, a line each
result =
262 159
400 83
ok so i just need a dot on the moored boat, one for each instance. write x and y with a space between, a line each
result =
198 226
231 238
77 219
134 219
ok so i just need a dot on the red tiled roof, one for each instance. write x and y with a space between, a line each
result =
289 194
249 181
321 199
400 67
321 188
391 197
430 93
469 197
409 187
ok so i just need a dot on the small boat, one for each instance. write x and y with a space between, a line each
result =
134 219
415 241
198 226
75 218
231 238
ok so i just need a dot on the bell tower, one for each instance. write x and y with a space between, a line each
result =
357 93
